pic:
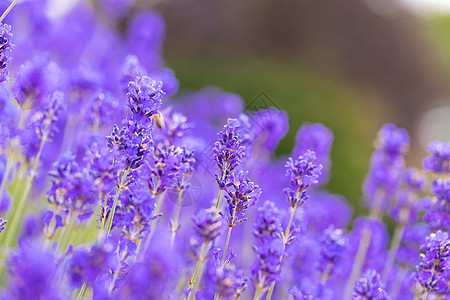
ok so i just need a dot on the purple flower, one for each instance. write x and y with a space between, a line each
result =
298 294
386 166
270 247
333 244
370 287
241 193
6 48
229 283
434 269
438 216
302 173
228 151
33 273
45 123
144 96
269 127
72 187
86 266
439 161
2 224
318 138
35 80
207 224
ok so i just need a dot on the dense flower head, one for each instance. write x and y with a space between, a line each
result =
130 145
72 187
174 126
392 140
438 216
229 283
135 212
333 243
318 138
269 247
144 96
45 122
267 224
269 127
35 80
87 265
415 179
207 224
165 167
6 47
370 287
387 166
439 161
434 269
241 193
302 173
33 272
101 108
299 294
228 150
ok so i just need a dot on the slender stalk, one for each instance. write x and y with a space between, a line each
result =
193 282
154 222
286 236
363 247
395 244
116 200
5 179
8 10
16 216
220 190
177 213
228 236
65 234
82 291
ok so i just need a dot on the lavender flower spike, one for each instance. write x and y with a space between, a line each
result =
439 161
5 50
370 287
2 224
302 172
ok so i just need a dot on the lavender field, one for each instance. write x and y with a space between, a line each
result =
117 185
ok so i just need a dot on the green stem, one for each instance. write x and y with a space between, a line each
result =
395 244
16 215
363 247
229 234
116 200
177 213
220 190
8 10
5 179
65 234
193 282
82 291
154 223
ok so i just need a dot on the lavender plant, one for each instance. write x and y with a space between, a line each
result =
116 186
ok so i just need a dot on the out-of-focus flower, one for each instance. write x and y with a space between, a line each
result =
370 287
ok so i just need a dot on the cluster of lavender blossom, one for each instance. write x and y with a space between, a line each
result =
116 187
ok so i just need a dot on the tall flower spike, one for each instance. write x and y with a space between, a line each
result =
317 138
144 96
207 224
229 283
302 173
333 243
433 271
6 48
269 248
45 125
370 287
241 193
228 151
387 166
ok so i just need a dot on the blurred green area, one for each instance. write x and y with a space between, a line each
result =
438 29
307 96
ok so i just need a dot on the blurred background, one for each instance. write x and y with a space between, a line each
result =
352 65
